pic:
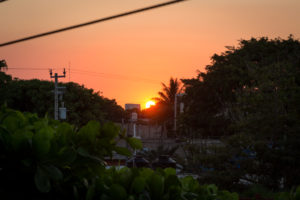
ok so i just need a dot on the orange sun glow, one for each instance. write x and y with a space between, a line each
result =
149 104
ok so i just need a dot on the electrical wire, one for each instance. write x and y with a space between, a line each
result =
93 73
91 22
115 76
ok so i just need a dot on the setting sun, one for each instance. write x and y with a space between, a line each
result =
149 104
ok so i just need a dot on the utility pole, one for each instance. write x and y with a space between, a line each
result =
175 110
56 92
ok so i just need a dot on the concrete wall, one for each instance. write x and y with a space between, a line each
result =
144 131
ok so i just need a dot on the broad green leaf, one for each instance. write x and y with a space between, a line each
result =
81 151
75 193
146 173
42 181
109 130
13 121
53 172
89 132
226 195
64 132
5 136
90 193
131 197
122 151
156 186
172 181
66 155
41 141
138 185
125 177
20 138
212 189
135 143
117 192
189 184
169 171
297 193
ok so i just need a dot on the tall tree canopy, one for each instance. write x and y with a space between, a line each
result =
212 96
253 92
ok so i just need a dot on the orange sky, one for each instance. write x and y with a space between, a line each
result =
127 59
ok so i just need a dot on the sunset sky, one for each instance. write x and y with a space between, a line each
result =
127 59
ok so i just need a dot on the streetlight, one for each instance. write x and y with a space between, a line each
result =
175 109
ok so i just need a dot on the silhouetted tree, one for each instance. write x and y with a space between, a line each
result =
36 96
252 93
163 111
3 65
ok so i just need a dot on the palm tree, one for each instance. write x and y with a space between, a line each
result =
167 95
165 104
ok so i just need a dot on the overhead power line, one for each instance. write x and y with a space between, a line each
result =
93 74
115 76
91 22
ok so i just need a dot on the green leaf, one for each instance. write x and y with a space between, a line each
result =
212 189
169 171
146 173
64 132
227 195
117 192
14 121
41 141
297 193
75 192
81 151
90 193
156 186
110 130
135 143
53 172
125 177
189 184
122 151
20 138
138 185
172 181
89 132
42 181
84 153
66 155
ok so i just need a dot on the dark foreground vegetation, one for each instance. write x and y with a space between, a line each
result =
44 159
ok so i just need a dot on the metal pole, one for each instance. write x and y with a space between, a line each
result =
56 91
56 97
175 113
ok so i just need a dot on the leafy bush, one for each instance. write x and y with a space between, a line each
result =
45 159
40 153
144 183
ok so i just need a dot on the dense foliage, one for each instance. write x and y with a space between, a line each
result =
251 92
37 154
45 159
37 96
